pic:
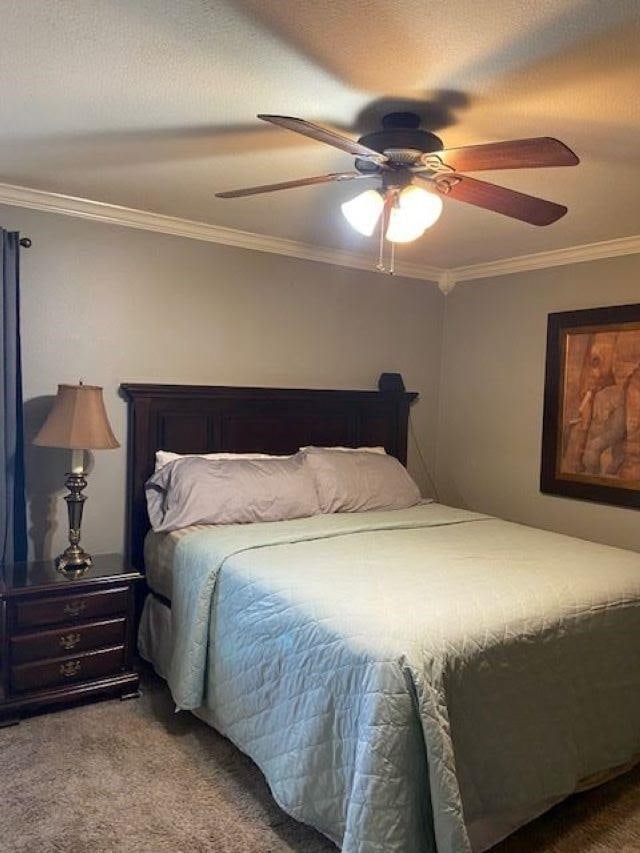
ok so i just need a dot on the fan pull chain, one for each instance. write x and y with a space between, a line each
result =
380 264
384 222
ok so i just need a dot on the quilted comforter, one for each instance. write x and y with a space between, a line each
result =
416 680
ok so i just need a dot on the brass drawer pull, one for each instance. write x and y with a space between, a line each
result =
70 668
75 608
68 641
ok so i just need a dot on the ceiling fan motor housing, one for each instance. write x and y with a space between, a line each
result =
401 138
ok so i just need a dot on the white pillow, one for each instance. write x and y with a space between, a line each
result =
193 490
379 450
163 457
356 482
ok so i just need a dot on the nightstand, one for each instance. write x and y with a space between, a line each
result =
64 639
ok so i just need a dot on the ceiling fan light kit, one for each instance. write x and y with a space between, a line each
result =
402 153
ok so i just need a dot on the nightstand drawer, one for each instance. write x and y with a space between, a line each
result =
70 608
82 667
67 640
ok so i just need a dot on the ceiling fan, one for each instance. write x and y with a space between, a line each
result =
415 171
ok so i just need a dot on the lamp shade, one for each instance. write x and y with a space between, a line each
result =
78 420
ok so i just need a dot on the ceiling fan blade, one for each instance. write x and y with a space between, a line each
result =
301 182
527 208
324 134
515 154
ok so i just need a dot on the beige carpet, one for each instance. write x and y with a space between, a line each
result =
134 776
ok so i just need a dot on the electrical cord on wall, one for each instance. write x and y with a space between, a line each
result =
425 467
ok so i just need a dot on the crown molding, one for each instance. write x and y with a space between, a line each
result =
542 260
446 279
129 217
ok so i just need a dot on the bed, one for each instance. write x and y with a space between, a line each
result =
426 679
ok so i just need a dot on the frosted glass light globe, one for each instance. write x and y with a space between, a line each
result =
363 211
415 211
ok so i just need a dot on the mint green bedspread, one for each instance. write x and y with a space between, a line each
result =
414 680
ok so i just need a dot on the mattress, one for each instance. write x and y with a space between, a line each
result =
408 681
159 552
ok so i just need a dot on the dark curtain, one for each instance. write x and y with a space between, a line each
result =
13 514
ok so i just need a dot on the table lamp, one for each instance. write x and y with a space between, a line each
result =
77 421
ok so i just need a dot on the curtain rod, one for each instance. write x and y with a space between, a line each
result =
25 242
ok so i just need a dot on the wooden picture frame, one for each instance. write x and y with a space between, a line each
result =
591 425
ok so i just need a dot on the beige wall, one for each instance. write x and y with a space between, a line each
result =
491 398
110 304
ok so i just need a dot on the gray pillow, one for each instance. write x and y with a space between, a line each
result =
359 481
193 490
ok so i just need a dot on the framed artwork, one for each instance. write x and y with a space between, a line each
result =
591 429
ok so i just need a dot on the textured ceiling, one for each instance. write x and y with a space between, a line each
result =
151 104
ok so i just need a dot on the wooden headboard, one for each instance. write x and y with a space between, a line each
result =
201 419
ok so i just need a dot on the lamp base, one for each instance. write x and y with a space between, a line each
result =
74 561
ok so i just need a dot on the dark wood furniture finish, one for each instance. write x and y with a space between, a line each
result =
200 419
595 319
63 639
